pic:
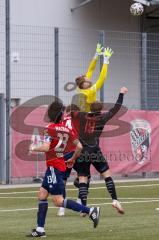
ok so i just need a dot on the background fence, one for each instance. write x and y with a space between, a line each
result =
48 58
44 59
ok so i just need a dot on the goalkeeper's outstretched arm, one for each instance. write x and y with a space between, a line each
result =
93 63
103 74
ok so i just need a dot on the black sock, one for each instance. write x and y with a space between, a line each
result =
83 193
76 182
42 211
64 193
111 187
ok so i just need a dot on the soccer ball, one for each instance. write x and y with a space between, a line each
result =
137 9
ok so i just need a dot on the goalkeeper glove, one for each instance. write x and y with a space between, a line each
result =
107 54
99 49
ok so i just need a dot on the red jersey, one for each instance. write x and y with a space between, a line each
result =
67 121
61 139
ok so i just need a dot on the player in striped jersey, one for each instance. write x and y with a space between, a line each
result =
90 127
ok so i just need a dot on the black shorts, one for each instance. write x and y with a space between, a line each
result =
91 155
67 173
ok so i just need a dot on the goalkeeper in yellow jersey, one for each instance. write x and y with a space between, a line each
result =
87 90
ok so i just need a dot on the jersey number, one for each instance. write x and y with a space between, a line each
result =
62 143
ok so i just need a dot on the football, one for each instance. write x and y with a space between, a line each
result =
137 9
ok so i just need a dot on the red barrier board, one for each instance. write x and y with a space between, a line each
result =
130 152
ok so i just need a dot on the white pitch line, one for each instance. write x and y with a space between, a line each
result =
129 198
104 198
20 209
101 204
141 185
96 204
124 186
96 188
6 197
94 182
10 193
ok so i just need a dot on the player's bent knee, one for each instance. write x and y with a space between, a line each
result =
106 174
43 194
83 179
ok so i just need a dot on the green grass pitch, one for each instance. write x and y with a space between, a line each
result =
140 221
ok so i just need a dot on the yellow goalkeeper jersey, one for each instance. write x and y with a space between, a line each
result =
88 96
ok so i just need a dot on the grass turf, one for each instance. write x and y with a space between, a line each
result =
139 221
